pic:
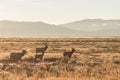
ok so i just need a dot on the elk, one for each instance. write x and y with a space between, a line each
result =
69 54
40 50
17 55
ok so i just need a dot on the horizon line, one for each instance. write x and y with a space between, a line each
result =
54 23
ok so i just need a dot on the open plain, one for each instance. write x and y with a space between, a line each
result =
93 59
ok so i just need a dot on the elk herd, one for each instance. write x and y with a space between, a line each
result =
15 56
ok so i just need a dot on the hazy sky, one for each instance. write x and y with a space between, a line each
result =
58 11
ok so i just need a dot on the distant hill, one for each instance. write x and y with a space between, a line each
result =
96 26
82 28
32 29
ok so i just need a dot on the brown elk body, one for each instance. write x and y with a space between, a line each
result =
69 54
17 55
40 50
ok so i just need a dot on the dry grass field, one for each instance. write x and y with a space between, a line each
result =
94 59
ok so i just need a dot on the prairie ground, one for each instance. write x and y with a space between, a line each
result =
93 59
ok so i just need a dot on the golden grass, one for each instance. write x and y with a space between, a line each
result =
94 59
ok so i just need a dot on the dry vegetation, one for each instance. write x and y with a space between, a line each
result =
94 59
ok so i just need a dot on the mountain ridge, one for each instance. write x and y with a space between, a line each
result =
16 28
86 27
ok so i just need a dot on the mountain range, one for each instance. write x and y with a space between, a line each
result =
81 28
